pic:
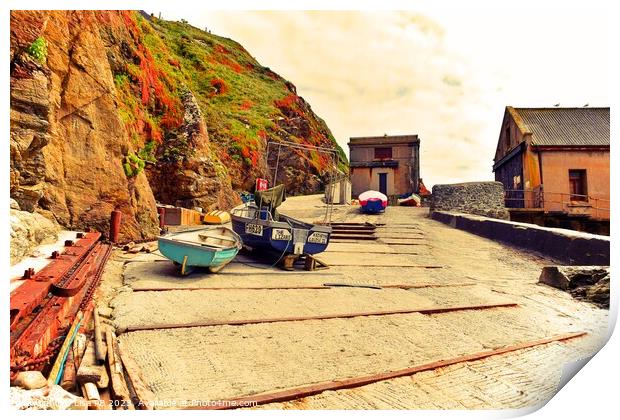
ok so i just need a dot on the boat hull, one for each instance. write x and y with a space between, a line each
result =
373 206
190 256
373 202
287 236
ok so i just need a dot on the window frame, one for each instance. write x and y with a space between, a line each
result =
581 176
388 156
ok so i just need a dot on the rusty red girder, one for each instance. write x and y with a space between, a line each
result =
59 312
33 291
33 335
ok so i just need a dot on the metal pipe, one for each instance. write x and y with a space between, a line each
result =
115 225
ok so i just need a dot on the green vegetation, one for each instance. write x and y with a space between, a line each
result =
38 50
133 164
244 104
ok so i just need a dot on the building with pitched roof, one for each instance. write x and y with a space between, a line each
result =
555 160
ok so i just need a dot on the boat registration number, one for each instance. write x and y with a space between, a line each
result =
253 229
318 238
281 234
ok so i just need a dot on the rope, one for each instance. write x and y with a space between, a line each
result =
272 265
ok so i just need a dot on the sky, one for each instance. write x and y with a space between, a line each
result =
444 74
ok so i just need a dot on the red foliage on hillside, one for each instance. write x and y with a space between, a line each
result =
286 102
221 49
245 105
219 85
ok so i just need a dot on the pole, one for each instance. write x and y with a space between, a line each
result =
115 225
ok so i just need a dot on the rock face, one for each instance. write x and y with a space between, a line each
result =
482 198
29 230
66 134
194 182
113 110
589 283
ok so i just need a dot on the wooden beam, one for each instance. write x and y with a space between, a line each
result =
74 359
100 349
145 397
427 311
120 392
313 287
306 391
90 370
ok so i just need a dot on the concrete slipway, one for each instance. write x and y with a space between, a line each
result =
430 265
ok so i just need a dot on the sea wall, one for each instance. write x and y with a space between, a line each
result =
482 198
566 246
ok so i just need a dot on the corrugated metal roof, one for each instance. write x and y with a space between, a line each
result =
566 126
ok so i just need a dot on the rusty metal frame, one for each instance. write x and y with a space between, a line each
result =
68 289
33 291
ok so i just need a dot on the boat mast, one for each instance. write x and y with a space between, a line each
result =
333 161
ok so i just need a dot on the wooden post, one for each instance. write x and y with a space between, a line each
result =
120 392
90 371
91 394
162 215
100 349
74 359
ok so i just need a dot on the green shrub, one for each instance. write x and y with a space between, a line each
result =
147 153
133 163
38 49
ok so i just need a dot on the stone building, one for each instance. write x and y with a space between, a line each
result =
389 164
555 161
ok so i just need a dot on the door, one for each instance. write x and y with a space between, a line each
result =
383 183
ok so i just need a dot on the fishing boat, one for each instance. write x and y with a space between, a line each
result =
409 200
211 247
372 201
216 217
262 227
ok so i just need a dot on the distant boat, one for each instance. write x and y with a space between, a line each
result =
268 230
373 201
410 200
211 247
216 217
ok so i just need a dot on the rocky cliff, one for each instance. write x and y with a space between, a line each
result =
118 110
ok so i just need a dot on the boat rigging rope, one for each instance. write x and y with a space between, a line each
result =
272 265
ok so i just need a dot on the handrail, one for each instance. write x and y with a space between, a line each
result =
562 201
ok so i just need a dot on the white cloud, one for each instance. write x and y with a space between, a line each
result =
444 74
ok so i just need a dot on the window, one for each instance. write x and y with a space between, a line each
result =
383 153
578 185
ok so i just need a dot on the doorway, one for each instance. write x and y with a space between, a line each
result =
383 183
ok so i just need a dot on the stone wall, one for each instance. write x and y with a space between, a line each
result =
482 198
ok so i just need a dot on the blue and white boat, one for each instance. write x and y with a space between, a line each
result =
268 230
372 201
211 248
